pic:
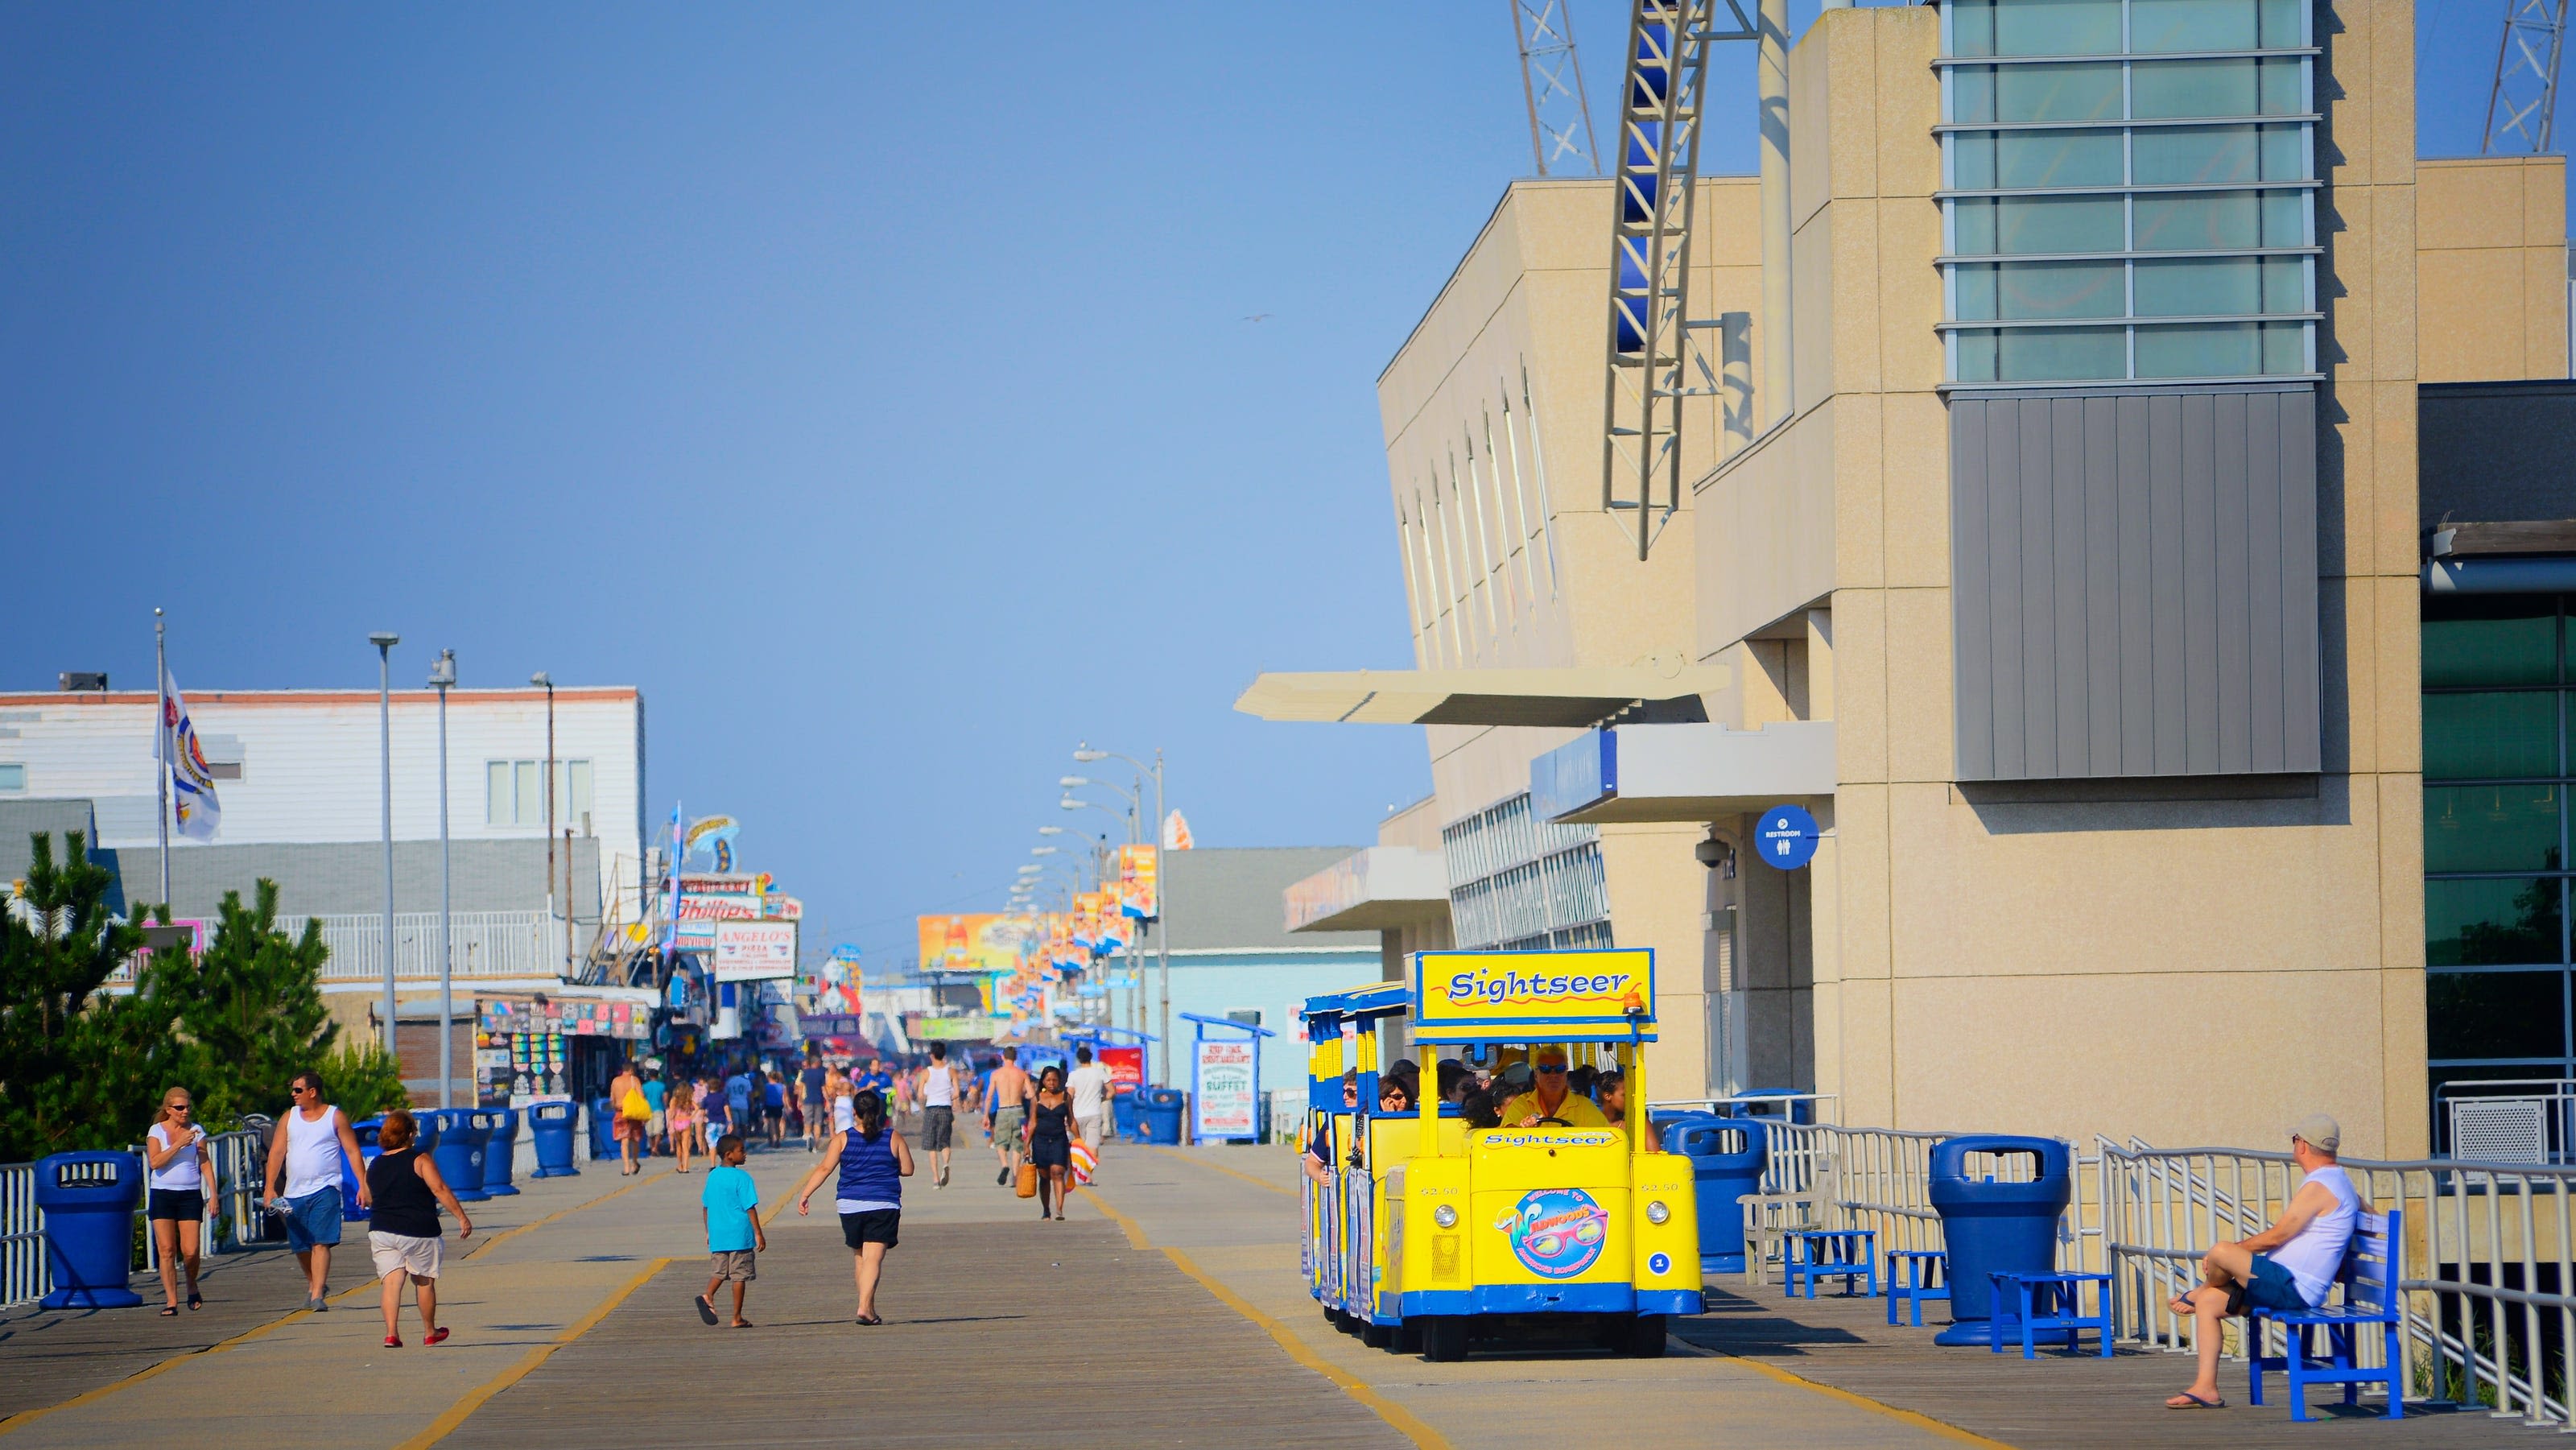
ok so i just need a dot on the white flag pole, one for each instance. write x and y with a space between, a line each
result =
161 745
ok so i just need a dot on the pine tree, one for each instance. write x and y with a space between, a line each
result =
249 1008
78 1068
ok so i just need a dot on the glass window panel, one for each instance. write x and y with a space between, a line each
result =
2202 350
2038 354
2077 92
2495 1014
2197 221
2057 27
2166 88
2183 155
2057 158
1973 227
1972 160
2062 289
2285 153
1972 27
2491 828
2484 736
2168 25
2200 287
13 777
532 794
2057 224
2285 218
2284 23
498 799
1975 289
2285 284
2284 87
2285 347
1972 93
2513 641
1976 356
2511 922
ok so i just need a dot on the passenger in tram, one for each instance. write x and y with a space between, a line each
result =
1610 1090
1551 1096
1479 1111
1455 1083
1394 1095
1318 1160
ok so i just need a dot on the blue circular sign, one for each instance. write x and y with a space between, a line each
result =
1786 837
1659 1263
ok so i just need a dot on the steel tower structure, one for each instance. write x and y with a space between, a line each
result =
2523 102
1552 84
1652 355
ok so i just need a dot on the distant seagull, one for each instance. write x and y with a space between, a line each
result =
1258 317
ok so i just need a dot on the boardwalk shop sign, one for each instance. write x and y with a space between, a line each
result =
1582 996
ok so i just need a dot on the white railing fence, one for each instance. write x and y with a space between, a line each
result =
489 944
2489 1256
26 1275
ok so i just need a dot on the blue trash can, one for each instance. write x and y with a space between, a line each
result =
497 1152
1993 1227
1163 1108
88 1201
1127 1114
460 1151
1727 1157
550 1130
603 1130
366 1129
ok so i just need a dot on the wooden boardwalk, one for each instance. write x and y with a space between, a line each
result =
2056 1400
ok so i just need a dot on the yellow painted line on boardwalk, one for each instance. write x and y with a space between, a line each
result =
456 1414
1922 1422
1229 1172
25 1418
1399 1419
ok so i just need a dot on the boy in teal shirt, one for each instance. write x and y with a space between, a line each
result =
730 1207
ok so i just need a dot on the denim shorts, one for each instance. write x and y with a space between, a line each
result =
313 1221
2274 1289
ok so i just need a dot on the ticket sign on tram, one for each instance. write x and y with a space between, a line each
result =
1585 996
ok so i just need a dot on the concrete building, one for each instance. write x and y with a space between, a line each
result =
2068 568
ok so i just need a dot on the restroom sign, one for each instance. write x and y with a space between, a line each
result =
1786 837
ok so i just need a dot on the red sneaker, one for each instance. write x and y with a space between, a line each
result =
436 1336
393 1341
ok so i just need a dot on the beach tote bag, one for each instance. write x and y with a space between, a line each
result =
1027 1187
635 1105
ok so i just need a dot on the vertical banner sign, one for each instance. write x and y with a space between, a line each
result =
1225 1090
1126 1066
1138 882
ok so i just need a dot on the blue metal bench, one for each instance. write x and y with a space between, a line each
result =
2372 1268
1910 1275
2027 1306
1844 1253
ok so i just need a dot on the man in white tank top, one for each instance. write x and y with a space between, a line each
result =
936 1088
311 1144
2286 1268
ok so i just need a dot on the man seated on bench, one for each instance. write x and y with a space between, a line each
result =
2287 1268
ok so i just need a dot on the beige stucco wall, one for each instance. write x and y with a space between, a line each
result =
2065 960
2491 268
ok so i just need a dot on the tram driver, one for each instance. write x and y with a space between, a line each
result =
1551 1096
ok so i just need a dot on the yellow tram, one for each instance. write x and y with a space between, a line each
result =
1426 1232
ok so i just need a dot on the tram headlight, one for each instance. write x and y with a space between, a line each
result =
1445 1216
1656 1212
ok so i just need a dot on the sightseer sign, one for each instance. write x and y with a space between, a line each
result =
1576 996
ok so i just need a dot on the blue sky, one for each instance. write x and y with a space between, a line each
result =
873 389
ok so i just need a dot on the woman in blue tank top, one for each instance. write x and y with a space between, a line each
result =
872 1160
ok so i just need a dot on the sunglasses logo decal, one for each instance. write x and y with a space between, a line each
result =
1556 1233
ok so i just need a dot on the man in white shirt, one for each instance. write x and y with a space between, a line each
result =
1090 1086
310 1152
2287 1268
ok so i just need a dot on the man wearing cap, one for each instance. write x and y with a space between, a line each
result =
1549 1097
2286 1268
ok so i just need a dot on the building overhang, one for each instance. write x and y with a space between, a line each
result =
1378 888
1561 698
1683 772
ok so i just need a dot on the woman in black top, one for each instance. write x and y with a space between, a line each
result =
1049 1130
403 1234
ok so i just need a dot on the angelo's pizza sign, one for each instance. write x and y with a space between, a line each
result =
1562 996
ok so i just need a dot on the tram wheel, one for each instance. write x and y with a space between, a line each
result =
1408 1337
1645 1339
1444 1338
1375 1335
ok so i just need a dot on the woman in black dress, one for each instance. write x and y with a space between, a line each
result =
1048 1131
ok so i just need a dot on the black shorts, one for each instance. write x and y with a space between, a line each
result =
876 1226
183 1204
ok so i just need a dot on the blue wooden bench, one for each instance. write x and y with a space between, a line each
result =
1910 1276
2372 1270
1846 1254
2027 1306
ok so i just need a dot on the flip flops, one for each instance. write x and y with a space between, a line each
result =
869 1320
2195 1402
706 1311
169 1311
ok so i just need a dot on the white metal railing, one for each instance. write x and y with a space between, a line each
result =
2489 1253
26 1275
489 944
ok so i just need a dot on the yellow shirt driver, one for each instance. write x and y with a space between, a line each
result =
1549 1097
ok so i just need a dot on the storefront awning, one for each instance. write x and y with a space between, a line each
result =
1563 698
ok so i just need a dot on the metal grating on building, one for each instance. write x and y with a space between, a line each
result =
1520 883
2500 1130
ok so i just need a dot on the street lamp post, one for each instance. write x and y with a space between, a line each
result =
442 676
1101 852
384 642
1084 753
542 682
